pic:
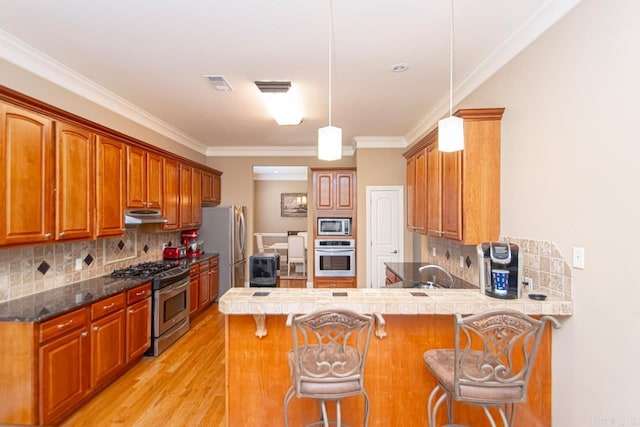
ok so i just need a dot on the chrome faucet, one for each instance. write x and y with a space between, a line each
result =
436 267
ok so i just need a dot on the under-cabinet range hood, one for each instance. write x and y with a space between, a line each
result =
134 217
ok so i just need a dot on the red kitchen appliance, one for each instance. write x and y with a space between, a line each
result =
174 252
191 242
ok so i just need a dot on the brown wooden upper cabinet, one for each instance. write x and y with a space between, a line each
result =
144 178
75 182
459 192
110 188
27 174
211 189
334 190
190 196
171 194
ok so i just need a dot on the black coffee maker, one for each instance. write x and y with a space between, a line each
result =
500 267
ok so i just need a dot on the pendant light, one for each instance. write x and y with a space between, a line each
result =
330 137
451 129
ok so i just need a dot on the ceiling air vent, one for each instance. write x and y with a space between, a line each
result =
267 87
219 83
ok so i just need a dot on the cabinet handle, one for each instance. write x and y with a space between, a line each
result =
65 324
84 334
61 234
107 307
140 293
95 328
47 235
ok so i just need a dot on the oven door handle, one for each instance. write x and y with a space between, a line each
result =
175 288
335 251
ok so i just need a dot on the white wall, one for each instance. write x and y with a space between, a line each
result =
570 174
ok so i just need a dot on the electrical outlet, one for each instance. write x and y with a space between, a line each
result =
78 264
461 261
578 258
433 251
528 282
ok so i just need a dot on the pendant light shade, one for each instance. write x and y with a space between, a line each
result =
451 134
330 137
329 143
451 129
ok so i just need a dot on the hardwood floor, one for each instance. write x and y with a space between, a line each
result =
184 386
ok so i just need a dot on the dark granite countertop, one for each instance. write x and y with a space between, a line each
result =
51 303
411 278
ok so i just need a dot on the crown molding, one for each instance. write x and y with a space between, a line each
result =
550 12
271 151
27 57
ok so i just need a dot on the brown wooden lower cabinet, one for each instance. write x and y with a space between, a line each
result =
334 282
51 368
390 277
204 278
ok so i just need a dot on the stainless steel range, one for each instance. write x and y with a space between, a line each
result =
170 302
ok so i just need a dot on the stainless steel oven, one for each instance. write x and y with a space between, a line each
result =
335 258
170 314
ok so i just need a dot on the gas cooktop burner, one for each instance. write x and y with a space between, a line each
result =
145 269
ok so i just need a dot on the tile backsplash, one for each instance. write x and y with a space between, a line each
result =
32 269
543 263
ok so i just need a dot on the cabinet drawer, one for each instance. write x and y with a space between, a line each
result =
62 324
213 262
138 294
194 269
106 306
204 266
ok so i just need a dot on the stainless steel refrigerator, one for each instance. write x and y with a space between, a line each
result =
224 231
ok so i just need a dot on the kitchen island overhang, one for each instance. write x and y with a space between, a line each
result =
257 342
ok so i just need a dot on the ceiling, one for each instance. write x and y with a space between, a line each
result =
146 59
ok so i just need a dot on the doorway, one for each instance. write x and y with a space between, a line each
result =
385 230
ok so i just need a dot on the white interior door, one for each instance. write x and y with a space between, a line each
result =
385 231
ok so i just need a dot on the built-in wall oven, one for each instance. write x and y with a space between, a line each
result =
170 302
335 257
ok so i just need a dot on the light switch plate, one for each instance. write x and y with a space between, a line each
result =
578 258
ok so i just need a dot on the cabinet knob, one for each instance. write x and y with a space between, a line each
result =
84 334
95 328
47 235
61 234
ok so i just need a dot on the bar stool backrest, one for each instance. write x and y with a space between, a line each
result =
494 353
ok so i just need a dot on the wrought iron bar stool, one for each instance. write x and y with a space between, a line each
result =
490 363
328 357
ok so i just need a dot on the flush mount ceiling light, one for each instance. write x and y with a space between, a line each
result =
330 137
451 129
400 67
282 101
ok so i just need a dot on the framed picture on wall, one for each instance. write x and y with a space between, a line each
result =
293 204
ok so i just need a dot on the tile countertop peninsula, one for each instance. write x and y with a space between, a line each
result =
257 342
45 305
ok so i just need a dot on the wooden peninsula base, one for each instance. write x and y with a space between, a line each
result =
398 384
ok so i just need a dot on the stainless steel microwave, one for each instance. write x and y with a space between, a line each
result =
334 226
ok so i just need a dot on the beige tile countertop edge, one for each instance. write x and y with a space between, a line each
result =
276 301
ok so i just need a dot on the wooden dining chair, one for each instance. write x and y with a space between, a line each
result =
296 253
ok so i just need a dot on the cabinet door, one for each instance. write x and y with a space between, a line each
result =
110 166
27 175
205 281
75 185
194 293
217 189
207 187
63 368
154 180
107 347
185 196
420 213
323 189
451 195
138 329
411 190
214 278
433 191
171 194
196 198
345 190
136 177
